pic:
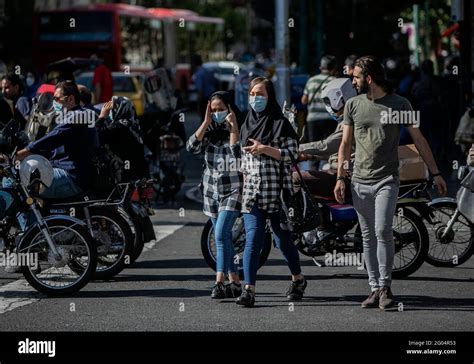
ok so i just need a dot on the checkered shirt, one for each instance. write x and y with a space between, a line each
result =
262 176
222 180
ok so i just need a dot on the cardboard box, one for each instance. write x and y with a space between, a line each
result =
412 167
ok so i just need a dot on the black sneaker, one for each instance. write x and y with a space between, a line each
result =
218 291
296 290
233 290
246 299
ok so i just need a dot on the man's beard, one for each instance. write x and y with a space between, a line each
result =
363 88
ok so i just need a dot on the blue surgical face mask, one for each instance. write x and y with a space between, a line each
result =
219 116
57 106
30 81
258 103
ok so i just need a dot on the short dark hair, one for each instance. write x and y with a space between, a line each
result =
371 66
85 95
70 88
15 80
350 60
328 62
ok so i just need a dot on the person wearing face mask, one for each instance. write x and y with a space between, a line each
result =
267 139
334 95
69 146
217 138
32 84
119 129
321 183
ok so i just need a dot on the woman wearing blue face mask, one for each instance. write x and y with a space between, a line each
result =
217 138
269 139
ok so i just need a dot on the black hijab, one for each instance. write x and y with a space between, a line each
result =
220 132
123 112
268 125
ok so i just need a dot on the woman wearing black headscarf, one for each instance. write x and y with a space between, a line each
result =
118 128
217 138
268 139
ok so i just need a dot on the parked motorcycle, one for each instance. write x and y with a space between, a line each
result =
112 234
409 232
136 210
167 167
57 243
450 224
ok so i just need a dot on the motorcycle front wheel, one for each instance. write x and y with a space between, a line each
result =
457 246
52 274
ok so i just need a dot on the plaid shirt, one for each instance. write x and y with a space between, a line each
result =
262 176
221 180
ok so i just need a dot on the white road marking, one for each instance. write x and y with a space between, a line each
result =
161 232
19 293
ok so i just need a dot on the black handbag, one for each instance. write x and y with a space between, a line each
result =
299 212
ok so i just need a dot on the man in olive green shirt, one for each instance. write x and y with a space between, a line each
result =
373 119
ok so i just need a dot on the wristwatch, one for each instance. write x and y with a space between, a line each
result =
340 178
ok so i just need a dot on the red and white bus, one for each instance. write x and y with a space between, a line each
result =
127 35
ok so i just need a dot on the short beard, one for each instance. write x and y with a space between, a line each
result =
363 88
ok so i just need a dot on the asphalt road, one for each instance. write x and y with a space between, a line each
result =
168 289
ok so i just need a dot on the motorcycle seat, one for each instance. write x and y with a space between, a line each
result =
83 197
325 198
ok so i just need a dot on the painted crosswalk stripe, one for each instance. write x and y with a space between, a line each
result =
161 232
19 293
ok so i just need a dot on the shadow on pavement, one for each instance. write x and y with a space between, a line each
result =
165 292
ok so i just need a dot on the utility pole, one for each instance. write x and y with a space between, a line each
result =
282 48
416 21
303 36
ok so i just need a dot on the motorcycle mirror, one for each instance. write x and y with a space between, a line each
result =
462 172
45 102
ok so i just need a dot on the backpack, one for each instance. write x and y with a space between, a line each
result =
107 172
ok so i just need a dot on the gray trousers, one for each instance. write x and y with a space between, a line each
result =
375 205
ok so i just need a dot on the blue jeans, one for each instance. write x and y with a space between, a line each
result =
223 237
255 223
62 186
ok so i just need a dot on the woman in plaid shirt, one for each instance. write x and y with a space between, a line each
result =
218 138
268 139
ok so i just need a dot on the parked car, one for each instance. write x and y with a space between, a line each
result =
127 85
225 73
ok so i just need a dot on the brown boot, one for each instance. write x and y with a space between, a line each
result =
371 301
385 298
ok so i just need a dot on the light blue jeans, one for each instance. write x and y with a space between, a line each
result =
375 205
223 237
